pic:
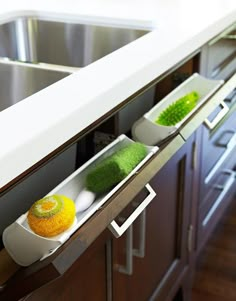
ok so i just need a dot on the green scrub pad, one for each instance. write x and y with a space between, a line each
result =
115 168
176 111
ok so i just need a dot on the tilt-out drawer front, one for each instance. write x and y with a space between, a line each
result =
26 247
150 131
28 279
201 117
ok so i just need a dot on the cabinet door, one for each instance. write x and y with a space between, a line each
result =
218 198
217 177
166 231
86 280
217 148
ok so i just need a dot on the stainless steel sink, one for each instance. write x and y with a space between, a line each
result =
20 80
62 43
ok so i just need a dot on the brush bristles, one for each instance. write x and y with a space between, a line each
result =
176 111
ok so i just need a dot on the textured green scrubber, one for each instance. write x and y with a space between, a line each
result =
115 168
178 110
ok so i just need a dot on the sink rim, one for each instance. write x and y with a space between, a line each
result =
43 66
80 42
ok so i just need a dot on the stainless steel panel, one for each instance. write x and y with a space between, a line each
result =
61 43
18 81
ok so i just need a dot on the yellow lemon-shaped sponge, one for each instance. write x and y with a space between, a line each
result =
51 215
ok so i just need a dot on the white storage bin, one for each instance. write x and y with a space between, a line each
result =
147 131
26 247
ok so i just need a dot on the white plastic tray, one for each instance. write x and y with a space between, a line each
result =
147 131
26 247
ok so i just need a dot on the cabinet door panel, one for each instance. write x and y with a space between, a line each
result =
86 280
217 177
167 219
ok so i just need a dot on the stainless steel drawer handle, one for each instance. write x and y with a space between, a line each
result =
231 99
127 226
224 189
140 252
211 124
127 269
117 230
232 142
228 183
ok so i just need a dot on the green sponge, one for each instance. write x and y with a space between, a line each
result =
176 111
115 168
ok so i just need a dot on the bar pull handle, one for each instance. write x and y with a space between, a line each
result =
140 252
127 269
228 183
231 98
224 189
129 251
117 230
127 226
232 141
212 124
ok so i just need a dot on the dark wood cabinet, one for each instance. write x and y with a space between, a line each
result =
217 146
86 280
217 177
217 137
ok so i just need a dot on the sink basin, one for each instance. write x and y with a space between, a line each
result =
20 80
71 44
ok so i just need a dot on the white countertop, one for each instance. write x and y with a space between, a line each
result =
34 127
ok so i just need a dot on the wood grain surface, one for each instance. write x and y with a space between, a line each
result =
216 272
